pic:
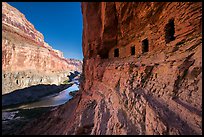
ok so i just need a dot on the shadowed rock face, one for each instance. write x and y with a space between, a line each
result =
25 52
156 92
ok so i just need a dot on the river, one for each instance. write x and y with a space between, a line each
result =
51 100
14 118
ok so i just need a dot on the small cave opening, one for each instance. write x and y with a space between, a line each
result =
132 50
103 53
91 53
169 31
145 45
116 52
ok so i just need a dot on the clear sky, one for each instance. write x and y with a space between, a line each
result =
59 22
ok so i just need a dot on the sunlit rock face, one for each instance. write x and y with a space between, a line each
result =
26 59
157 91
153 88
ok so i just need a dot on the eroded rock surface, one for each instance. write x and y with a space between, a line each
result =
26 58
157 92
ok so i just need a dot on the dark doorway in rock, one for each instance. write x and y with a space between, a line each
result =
91 53
116 52
103 53
145 45
133 50
169 31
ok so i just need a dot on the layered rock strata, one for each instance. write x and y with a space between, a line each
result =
157 90
26 58
11 81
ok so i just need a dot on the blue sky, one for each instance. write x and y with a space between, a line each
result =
59 22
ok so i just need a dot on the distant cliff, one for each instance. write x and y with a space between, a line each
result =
26 58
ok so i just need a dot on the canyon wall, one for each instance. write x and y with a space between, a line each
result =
26 58
153 88
158 91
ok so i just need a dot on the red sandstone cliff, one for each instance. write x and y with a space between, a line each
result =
156 91
23 47
24 50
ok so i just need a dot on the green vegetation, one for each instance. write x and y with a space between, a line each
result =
66 82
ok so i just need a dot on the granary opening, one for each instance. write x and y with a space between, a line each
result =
103 53
116 52
133 50
145 45
91 53
169 31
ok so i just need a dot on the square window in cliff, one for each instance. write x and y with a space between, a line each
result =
116 52
145 45
169 31
133 50
91 53
103 53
